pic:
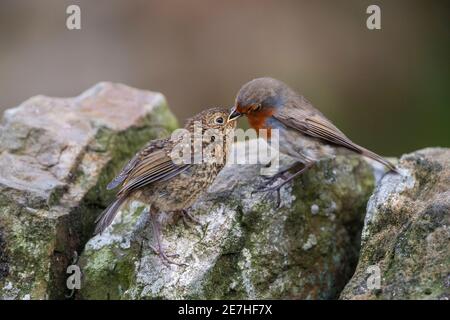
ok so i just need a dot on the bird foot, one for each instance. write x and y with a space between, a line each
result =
278 187
272 179
283 174
159 250
166 258
269 190
188 218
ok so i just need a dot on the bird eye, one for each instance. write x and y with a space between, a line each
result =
219 120
257 107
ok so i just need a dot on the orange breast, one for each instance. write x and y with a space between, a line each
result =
257 120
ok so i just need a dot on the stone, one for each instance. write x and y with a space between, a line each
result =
245 247
56 156
405 240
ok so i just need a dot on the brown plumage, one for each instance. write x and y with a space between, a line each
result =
305 133
166 184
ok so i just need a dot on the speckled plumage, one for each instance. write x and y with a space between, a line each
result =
153 177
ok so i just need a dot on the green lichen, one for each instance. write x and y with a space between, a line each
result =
119 275
317 271
30 239
39 245
408 239
221 281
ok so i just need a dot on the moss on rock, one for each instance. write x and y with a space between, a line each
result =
246 247
406 232
56 156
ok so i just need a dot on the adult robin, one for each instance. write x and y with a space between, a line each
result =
304 132
158 175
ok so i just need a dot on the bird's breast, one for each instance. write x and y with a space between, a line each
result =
260 120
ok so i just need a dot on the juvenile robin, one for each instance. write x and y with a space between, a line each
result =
157 177
305 133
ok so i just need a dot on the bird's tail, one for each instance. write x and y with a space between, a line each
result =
107 216
374 156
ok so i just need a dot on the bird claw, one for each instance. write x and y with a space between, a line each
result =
188 218
275 177
286 180
166 258
270 190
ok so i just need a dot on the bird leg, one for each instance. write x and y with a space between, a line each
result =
187 216
159 250
281 174
277 188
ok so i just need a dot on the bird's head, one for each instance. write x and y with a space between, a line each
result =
213 125
258 98
214 118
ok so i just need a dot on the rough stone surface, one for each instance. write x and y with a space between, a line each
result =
56 155
245 247
407 232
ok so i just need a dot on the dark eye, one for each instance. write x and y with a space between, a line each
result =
257 107
219 120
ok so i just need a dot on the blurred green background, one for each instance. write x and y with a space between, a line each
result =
387 89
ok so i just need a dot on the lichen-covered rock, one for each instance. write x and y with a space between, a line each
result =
56 156
245 247
406 237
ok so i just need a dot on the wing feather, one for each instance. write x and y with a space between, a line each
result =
123 174
314 124
151 164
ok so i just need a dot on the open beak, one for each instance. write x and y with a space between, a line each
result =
234 115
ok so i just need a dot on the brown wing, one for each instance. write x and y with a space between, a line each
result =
151 164
153 167
124 173
312 123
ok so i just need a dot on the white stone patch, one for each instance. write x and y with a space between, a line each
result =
329 211
311 242
155 279
124 217
8 286
245 266
10 292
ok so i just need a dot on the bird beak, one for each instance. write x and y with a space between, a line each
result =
234 115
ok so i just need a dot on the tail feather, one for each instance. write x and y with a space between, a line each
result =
374 156
107 216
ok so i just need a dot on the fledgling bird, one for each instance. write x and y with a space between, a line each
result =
304 132
154 177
